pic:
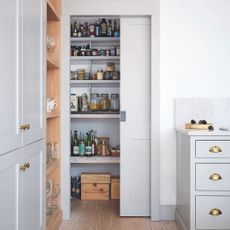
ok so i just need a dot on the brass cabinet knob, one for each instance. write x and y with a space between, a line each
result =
23 127
215 177
23 167
215 149
27 165
215 212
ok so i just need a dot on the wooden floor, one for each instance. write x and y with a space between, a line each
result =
104 215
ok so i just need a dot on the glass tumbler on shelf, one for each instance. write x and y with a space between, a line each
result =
95 102
115 102
105 102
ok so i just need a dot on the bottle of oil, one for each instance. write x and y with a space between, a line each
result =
81 145
88 145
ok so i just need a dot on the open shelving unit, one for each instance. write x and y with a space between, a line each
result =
95 160
53 27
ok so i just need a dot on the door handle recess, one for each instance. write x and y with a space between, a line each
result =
123 116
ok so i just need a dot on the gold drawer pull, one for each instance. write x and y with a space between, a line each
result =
215 149
215 212
27 126
215 177
23 127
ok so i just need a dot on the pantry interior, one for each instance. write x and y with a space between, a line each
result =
123 129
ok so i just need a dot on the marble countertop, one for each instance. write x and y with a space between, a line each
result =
195 132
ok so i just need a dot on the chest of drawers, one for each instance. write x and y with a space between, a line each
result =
203 180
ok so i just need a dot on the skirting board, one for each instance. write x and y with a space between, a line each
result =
179 221
167 212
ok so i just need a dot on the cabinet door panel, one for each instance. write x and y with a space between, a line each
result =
10 89
33 85
32 188
135 132
9 189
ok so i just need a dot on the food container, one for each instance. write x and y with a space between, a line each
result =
94 52
88 52
110 67
105 102
87 75
113 51
103 146
73 75
100 75
81 74
108 75
92 30
116 75
107 52
95 102
101 52
115 102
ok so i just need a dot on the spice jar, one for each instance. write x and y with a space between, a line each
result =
118 50
100 75
108 75
115 102
101 53
94 52
110 66
95 102
92 30
80 74
105 102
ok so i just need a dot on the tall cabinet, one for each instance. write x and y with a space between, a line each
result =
129 127
22 118
53 208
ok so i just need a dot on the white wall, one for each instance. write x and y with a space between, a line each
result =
194 62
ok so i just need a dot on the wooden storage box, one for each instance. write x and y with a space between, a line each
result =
115 187
95 186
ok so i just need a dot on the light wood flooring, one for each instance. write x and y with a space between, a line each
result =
104 215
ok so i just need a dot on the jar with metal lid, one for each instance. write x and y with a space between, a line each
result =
100 75
115 102
94 52
110 67
81 74
105 102
95 102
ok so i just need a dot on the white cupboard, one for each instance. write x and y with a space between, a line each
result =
22 116
22 183
22 85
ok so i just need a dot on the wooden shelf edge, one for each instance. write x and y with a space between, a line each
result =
54 221
52 14
52 115
54 164
51 64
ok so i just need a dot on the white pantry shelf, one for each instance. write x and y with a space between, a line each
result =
95 160
86 58
95 116
95 39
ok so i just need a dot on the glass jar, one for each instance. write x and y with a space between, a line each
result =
110 67
81 74
115 102
100 75
105 102
95 102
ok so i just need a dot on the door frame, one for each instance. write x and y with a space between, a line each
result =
155 114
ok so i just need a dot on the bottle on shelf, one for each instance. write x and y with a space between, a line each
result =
74 30
109 28
103 27
98 28
75 144
116 32
88 144
94 145
81 145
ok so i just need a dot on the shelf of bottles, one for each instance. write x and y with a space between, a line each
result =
90 148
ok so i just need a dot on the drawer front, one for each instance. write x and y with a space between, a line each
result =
213 149
213 177
212 212
92 188
102 178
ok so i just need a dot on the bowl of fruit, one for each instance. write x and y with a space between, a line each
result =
200 125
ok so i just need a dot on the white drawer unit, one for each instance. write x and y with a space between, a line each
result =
213 177
203 184
218 149
212 212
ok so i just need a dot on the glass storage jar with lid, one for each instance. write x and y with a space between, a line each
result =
115 102
105 102
95 102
